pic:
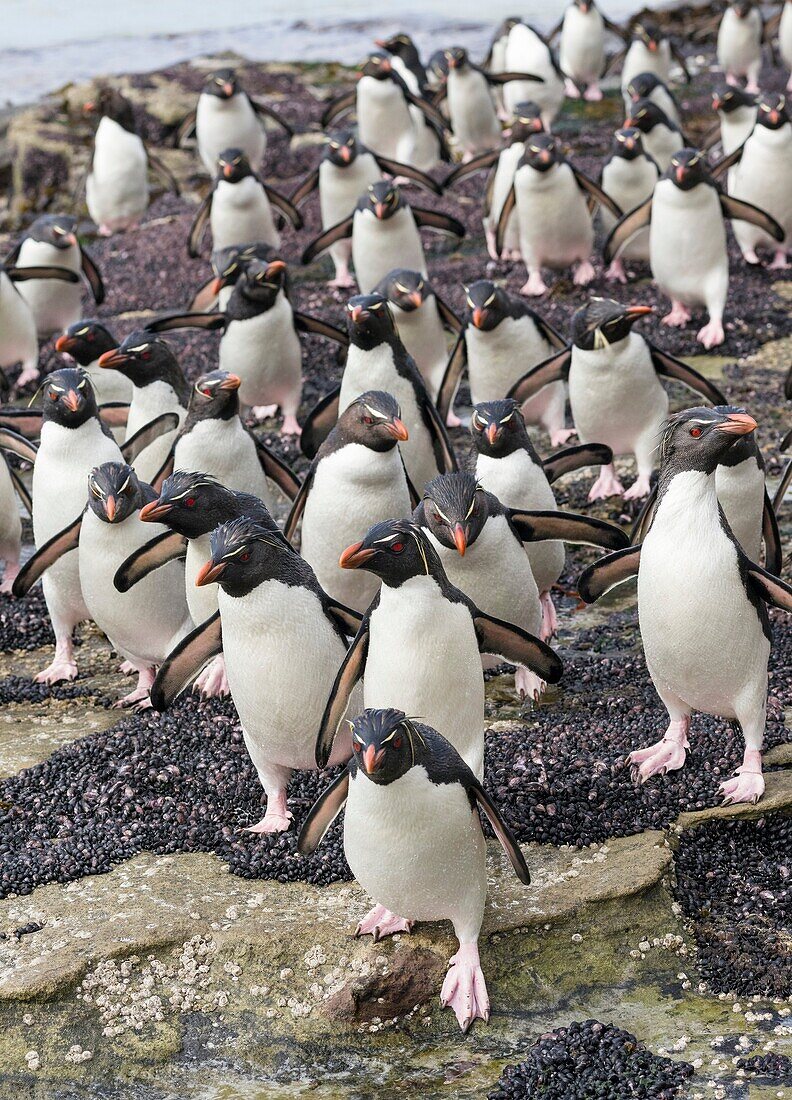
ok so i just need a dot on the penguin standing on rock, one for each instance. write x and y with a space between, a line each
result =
739 47
614 390
687 240
581 53
406 61
628 176
51 241
689 553
406 783
85 342
18 336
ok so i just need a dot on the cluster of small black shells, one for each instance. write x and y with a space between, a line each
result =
775 1068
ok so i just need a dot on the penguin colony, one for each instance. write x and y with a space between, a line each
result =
356 633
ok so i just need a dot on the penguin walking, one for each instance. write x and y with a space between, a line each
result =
737 110
84 343
553 215
581 52
629 176
239 207
687 240
276 621
508 467
377 358
650 51
500 334
346 170
739 46
227 116
51 241
384 232
614 389
650 86
419 644
18 336
661 137
689 553
227 266
527 52
11 487
407 785
356 480
260 342
427 145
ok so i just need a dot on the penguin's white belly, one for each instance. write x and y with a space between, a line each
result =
54 305
265 352
353 489
380 246
661 143
18 340
203 601
417 848
426 144
145 623
763 178
375 370
10 521
785 34
527 53
223 449
242 212
739 46
628 183
498 358
582 47
116 190
640 59
109 385
554 222
702 637
473 118
741 493
281 656
384 122
149 402
222 124
687 244
340 188
735 129
501 186
423 335
423 658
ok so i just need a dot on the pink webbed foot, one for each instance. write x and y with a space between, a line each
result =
380 922
616 273
105 231
492 251
126 668
789 84
277 818
264 412
667 755
748 784
639 488
560 436
678 317
733 80
593 94
63 667
528 684
343 280
549 617
606 485
452 420
464 988
712 334
750 256
584 273
290 425
779 263
27 374
514 255
535 285
9 576
571 89
140 698
213 680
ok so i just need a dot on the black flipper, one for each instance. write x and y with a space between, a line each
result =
501 831
348 675
279 472
60 544
447 315
569 527
396 168
309 184
169 546
303 322
165 470
22 489
517 646
298 505
727 162
26 422
429 111
345 617
115 414
322 814
608 572
12 257
614 60
335 233
17 444
433 219
552 335
614 28
589 187
338 106
506 210
507 77
554 369
772 538
199 224
679 57
441 444
747 212
783 485
644 521
670 367
186 128
165 422
576 458
267 112
166 322
626 228
771 589
181 666
42 271
453 373
286 206
163 173
475 164
319 423
91 273
712 137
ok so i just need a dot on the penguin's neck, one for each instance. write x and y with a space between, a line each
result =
686 501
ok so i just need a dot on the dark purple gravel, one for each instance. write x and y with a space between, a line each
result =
24 624
772 1068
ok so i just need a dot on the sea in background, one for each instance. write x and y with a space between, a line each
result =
47 43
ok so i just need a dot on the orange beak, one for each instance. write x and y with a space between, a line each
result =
629 144
372 758
479 316
652 46
64 343
275 268
354 556
629 122
228 170
345 153
110 508
460 539
72 401
88 107
112 358
737 424
356 312
232 382
680 173
379 210
228 88
415 298
398 429
717 103
492 433
638 311
154 510
385 65
544 156
71 238
217 285
208 573
774 116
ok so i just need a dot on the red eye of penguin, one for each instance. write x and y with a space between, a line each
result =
397 742
397 547
245 556
190 501
368 419
206 393
695 432
53 396
146 355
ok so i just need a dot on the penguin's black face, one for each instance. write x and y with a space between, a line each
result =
438 65
698 439
262 283
85 341
646 114
383 744
649 34
395 551
527 121
244 555
400 45
772 112
110 103
215 397
456 510
602 322
405 289
191 504
114 492
687 169
369 321
627 143
233 166
744 447
486 305
143 358
341 148
373 420
728 98
68 398
228 263
384 199
541 153
642 86
378 65
742 8
457 57
584 5
497 428
55 229
222 83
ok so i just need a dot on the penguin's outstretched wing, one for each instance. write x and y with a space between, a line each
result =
92 275
441 444
788 391
725 163
17 444
278 471
165 422
338 106
670 367
21 488
309 184
626 228
205 297
115 414
747 212
535 526
433 219
614 28
453 372
500 829
348 675
186 128
448 318
319 423
771 589
644 520
711 138
299 502
41 271
554 369
199 224
783 485
505 78
396 168
322 814
517 646
183 664
60 544
551 334
614 60
169 546
576 458
475 164
265 111
335 233
771 538
608 572
162 172
165 470
506 210
303 322
286 206
181 319
26 422
592 189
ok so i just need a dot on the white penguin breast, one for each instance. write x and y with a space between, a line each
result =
18 341
582 46
380 246
423 335
340 188
241 212
54 305
554 222
741 492
687 242
117 188
202 601
498 358
225 450
265 352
